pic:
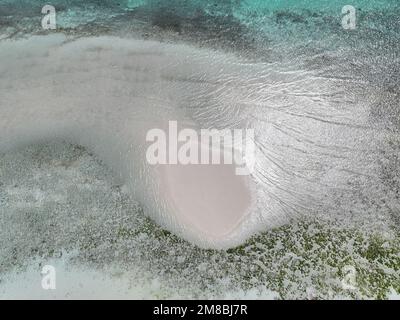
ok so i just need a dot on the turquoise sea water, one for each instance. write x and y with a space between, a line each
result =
259 15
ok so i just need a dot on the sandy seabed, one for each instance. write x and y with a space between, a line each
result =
74 207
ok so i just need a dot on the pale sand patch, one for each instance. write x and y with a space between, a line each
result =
211 198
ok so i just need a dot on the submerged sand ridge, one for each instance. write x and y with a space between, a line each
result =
106 93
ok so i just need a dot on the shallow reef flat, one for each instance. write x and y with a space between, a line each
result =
60 205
